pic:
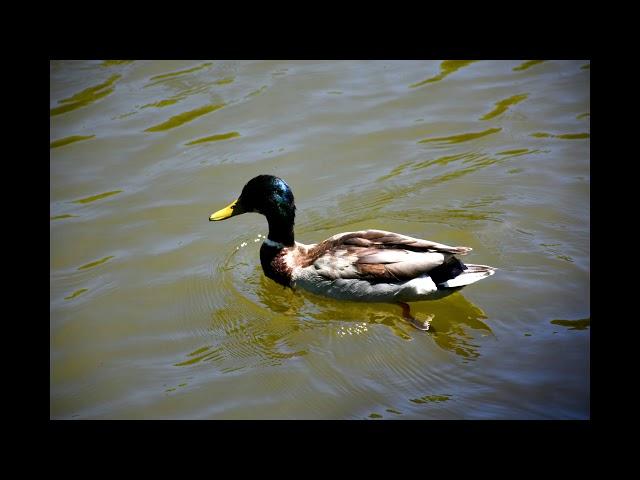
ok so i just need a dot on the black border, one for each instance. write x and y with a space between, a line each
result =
417 39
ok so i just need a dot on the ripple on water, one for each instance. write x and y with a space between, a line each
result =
431 399
503 105
76 293
183 93
517 151
452 166
224 81
162 103
184 117
364 204
582 324
99 196
67 140
257 92
242 331
86 96
463 137
60 217
159 78
446 159
111 63
95 263
565 136
446 68
526 65
214 138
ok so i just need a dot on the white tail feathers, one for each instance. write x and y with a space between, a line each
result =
472 274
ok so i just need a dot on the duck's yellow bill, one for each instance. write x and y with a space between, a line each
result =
228 211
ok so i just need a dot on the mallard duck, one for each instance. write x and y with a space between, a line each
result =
367 265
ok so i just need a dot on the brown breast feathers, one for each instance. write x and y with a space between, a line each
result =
274 264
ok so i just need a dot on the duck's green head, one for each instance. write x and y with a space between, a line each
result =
265 194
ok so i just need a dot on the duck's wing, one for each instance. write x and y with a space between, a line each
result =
384 239
381 256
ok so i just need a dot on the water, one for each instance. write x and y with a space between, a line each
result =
156 313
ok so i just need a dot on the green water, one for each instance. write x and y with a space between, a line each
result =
157 313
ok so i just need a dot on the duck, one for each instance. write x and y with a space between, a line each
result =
365 265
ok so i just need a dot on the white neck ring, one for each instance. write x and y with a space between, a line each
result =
271 243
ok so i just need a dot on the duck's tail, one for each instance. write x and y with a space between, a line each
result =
471 274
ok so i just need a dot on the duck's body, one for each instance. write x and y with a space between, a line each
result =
371 265
368 265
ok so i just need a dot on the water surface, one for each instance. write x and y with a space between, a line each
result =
157 313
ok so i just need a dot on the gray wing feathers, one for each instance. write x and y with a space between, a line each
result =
399 255
414 268
380 256
404 264
369 238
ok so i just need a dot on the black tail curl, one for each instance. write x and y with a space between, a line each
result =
448 270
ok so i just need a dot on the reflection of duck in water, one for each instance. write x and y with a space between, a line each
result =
456 324
368 265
